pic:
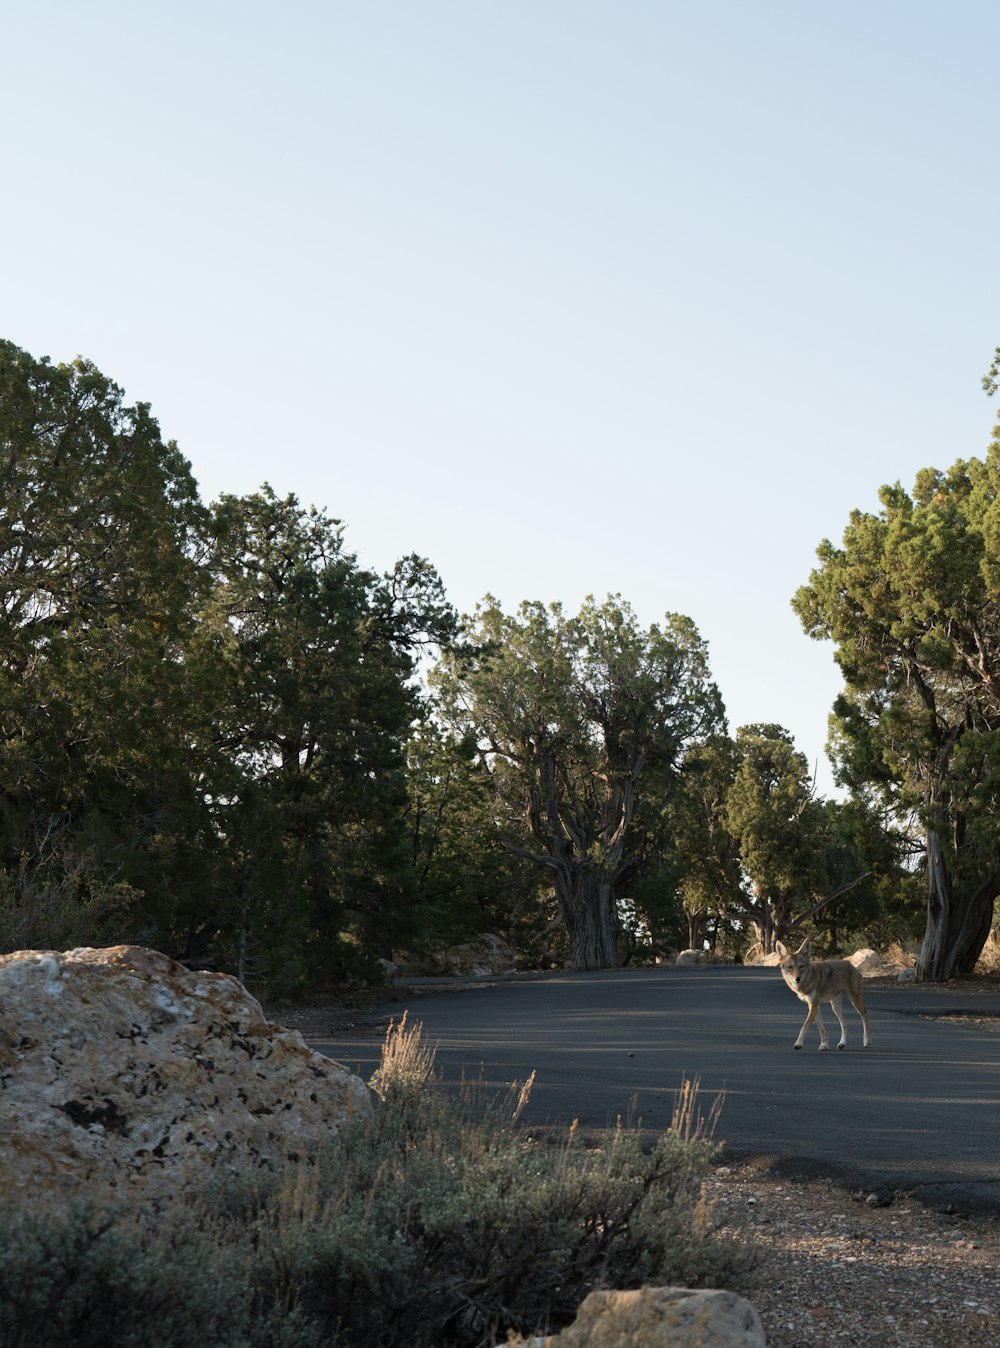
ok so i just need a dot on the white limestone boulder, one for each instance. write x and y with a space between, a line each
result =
124 1074
869 963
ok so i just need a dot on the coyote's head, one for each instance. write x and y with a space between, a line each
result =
793 965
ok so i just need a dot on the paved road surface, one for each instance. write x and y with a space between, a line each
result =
919 1109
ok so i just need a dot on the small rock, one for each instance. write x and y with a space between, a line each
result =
659 1315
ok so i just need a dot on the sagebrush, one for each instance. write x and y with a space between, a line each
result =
443 1223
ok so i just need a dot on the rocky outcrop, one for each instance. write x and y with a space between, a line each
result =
483 955
123 1073
659 1317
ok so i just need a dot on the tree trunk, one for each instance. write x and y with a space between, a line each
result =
768 923
696 928
586 902
958 923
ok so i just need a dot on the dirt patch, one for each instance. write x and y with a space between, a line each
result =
987 985
983 985
986 1020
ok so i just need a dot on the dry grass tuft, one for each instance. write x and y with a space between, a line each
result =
689 1120
407 1066
900 955
989 960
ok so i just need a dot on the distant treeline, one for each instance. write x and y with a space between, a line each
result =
222 737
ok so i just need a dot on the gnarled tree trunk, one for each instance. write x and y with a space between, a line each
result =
586 902
958 919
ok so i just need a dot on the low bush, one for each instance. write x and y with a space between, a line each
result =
443 1222
102 1277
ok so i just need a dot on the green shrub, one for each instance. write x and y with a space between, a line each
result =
101 1277
441 1223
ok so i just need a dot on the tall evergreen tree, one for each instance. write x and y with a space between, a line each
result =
576 716
911 601
100 535
319 695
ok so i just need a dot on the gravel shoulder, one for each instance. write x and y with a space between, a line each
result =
850 1268
839 1267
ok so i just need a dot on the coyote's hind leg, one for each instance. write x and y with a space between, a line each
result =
858 1001
836 1003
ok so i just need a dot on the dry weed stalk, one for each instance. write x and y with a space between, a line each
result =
689 1122
524 1095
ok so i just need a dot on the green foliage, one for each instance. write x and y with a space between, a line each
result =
702 861
652 920
576 719
203 713
992 375
771 813
317 659
98 1277
445 1224
910 602
42 908
466 880
755 851
100 529
313 706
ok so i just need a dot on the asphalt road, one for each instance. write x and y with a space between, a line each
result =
918 1110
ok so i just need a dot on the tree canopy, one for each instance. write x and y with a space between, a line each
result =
755 849
221 735
101 531
203 710
576 717
911 601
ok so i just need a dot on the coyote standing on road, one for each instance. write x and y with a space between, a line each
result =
822 981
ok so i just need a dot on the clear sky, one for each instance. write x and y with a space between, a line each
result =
567 296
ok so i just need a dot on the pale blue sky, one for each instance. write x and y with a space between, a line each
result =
569 297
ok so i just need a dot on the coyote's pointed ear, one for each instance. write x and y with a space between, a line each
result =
781 950
804 947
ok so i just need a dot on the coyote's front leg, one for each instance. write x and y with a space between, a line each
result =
815 1014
